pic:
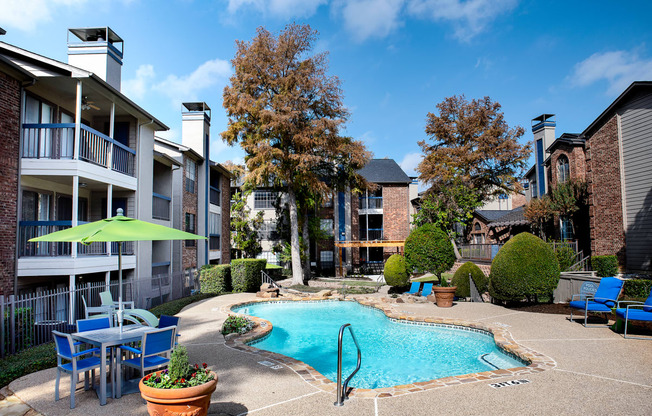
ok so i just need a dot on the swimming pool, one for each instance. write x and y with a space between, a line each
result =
393 352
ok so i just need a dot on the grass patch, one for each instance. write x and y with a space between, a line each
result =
26 362
174 307
307 289
432 279
351 282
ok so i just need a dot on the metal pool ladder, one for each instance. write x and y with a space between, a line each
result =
341 389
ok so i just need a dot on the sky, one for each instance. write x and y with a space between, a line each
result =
396 59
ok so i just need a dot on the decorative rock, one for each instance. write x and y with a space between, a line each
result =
229 337
431 298
400 300
323 293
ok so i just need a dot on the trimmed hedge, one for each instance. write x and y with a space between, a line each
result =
428 249
215 279
395 272
525 267
274 271
637 288
245 274
565 257
461 280
605 266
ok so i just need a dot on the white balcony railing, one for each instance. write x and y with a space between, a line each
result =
56 141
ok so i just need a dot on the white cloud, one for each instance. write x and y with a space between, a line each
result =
371 18
279 8
410 162
137 87
186 88
618 68
27 14
469 17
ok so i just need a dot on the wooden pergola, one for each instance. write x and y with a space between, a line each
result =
362 244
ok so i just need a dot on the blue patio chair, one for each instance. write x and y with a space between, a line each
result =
605 298
84 325
635 311
75 365
155 352
427 289
166 321
414 288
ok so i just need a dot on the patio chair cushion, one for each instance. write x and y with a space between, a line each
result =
609 288
591 307
634 314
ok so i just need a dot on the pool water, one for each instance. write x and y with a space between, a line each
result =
393 353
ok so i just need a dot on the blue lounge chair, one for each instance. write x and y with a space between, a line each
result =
414 288
635 311
605 298
427 289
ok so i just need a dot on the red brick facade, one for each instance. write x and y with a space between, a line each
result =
189 206
576 163
396 221
9 147
605 193
225 243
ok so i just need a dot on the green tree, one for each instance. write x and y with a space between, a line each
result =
286 113
567 199
538 212
470 143
244 228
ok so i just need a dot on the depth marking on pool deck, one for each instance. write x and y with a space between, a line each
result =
509 383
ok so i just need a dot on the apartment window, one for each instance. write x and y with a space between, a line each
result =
566 228
326 259
563 169
477 227
191 175
326 226
191 228
264 199
267 230
269 256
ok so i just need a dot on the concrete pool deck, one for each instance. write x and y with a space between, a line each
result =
596 371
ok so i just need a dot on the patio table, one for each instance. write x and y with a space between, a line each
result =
111 338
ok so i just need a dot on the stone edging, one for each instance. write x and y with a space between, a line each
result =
502 338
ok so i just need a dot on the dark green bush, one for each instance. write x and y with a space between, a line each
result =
565 257
637 288
524 268
461 279
274 271
245 274
215 279
174 306
605 266
428 249
395 273
26 362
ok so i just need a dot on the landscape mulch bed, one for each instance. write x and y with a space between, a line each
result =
554 308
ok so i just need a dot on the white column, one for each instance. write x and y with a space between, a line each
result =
71 286
107 279
75 211
109 159
109 208
78 110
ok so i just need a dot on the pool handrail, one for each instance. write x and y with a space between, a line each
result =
341 389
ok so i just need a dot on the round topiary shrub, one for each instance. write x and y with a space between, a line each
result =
461 280
525 268
395 273
428 249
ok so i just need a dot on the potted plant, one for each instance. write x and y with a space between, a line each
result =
181 389
444 294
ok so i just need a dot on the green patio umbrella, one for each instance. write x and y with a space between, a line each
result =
117 229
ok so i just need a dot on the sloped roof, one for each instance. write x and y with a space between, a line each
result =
384 171
490 215
513 217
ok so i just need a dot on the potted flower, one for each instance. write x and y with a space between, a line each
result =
444 294
181 389
235 324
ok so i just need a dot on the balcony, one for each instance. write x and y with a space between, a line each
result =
56 141
371 234
31 229
161 207
371 202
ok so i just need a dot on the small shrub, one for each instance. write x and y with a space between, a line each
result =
274 271
565 257
637 288
428 249
245 274
215 279
395 273
461 279
235 324
179 363
525 267
604 266
180 373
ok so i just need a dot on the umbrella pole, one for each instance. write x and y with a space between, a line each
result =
120 311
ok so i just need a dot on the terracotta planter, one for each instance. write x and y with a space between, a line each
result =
444 295
188 401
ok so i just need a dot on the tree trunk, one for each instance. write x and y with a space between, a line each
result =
457 252
297 271
306 242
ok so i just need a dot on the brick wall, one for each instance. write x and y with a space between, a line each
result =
9 137
190 202
605 197
396 223
518 200
225 243
576 162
